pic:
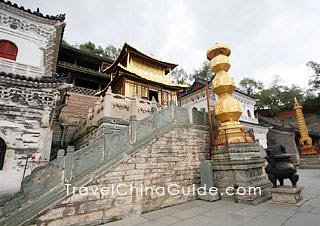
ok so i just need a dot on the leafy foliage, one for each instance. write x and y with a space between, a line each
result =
315 78
179 76
251 86
204 72
110 51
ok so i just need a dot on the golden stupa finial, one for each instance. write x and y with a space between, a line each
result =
305 140
227 109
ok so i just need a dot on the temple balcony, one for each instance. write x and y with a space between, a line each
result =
10 66
249 119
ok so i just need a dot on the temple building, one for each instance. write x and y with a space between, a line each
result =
31 92
195 97
134 72
86 77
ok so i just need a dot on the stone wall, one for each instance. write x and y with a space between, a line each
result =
24 127
172 159
78 105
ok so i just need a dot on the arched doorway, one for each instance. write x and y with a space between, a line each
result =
2 152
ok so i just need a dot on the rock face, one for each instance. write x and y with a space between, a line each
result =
162 150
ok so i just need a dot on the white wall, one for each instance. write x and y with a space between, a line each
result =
29 52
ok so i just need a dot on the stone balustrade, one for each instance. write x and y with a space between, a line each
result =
245 118
14 67
117 106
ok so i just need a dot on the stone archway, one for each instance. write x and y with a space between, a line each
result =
2 152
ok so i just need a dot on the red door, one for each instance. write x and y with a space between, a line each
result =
8 50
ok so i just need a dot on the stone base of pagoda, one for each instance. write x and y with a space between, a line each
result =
309 161
239 169
232 135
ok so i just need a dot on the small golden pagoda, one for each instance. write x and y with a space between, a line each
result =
227 109
305 141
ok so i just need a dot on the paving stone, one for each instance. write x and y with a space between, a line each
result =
304 208
301 218
196 220
190 204
161 213
252 211
315 210
189 213
232 220
267 219
134 220
313 202
282 210
214 205
163 221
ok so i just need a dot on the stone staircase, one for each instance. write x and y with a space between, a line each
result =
45 187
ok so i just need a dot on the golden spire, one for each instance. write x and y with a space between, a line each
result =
305 141
227 109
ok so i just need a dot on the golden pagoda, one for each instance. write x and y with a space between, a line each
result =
227 109
305 141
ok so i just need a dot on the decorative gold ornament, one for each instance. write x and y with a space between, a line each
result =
305 141
227 109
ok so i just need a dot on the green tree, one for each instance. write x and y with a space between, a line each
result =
288 94
203 72
279 96
112 51
251 86
179 76
315 78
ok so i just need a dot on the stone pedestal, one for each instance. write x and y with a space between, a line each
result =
309 161
240 166
287 195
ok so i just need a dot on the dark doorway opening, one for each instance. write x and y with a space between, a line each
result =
2 152
153 94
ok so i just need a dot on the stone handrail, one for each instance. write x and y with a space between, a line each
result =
46 185
10 66
116 106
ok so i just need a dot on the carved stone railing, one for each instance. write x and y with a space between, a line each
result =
116 106
249 119
10 66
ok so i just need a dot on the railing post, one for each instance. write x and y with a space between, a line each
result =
69 163
107 139
155 115
190 115
133 105
172 108
132 129
107 106
60 153
204 115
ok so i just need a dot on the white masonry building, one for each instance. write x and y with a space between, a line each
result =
29 89
195 97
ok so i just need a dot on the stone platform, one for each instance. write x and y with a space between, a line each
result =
222 212
240 165
309 161
287 195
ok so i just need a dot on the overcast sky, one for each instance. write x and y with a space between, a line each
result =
267 38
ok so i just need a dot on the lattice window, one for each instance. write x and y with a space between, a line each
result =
8 50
